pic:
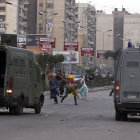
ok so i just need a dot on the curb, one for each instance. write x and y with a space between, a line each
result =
100 88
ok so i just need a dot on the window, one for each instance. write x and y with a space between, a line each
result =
1 1
2 25
2 9
132 64
49 5
40 4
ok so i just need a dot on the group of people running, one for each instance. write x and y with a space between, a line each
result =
62 86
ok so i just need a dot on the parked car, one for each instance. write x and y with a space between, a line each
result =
77 77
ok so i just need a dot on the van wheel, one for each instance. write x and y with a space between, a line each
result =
19 108
118 115
124 117
38 108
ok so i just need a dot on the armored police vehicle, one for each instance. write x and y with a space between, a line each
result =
20 80
127 83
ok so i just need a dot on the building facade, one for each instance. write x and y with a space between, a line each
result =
18 16
118 26
86 31
131 29
104 37
57 20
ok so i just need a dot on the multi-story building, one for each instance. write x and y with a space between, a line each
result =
18 16
2 16
131 30
86 31
104 37
58 20
8 22
118 26
29 21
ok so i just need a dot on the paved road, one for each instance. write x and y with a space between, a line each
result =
92 119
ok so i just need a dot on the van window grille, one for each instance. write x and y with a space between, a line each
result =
132 64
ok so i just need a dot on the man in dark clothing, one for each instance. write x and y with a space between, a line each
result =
91 78
60 79
70 89
53 87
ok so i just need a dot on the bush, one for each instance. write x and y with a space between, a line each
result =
99 82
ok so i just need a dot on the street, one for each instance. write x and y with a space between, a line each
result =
91 119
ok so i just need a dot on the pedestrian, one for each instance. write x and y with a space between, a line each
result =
64 81
111 92
84 88
71 78
53 87
86 78
91 78
43 77
59 79
50 78
71 89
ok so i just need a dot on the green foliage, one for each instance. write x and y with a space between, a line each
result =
88 71
48 60
99 82
108 54
113 54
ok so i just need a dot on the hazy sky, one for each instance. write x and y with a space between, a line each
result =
132 6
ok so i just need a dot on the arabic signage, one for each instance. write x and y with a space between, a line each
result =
33 39
100 53
87 51
46 42
70 46
21 40
38 50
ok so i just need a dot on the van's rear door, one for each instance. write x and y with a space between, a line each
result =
130 77
2 69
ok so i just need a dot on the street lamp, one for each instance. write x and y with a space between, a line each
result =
50 25
103 45
8 2
124 41
48 13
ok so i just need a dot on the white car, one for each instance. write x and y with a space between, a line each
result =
77 77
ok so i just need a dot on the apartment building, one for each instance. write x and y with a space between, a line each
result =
8 23
29 21
118 26
104 37
104 31
86 31
131 30
2 16
18 16
57 20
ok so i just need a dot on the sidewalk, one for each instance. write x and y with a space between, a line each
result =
100 88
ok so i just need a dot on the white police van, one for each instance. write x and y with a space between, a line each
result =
127 83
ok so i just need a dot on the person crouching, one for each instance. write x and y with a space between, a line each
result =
70 89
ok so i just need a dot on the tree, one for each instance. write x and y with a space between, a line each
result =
48 60
113 54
